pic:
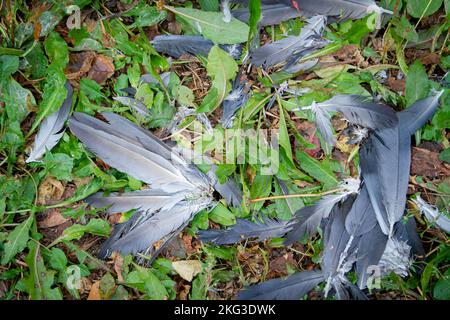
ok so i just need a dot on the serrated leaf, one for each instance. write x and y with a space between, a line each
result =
145 281
211 25
40 280
17 240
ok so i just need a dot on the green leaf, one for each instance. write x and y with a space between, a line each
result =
405 30
445 155
441 290
419 8
40 280
184 95
261 187
417 83
211 25
8 65
284 136
254 8
58 260
59 165
107 286
316 169
209 5
16 98
221 69
221 215
57 50
145 281
53 96
199 287
17 240
148 16
98 227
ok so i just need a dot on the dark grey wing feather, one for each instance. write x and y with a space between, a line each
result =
271 14
51 129
369 249
245 229
414 117
124 155
144 200
308 219
293 287
177 45
361 218
407 232
145 230
385 160
358 110
284 49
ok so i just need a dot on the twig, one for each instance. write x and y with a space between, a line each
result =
304 195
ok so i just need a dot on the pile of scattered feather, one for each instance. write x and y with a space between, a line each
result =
363 223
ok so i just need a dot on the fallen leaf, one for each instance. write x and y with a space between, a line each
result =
52 218
426 163
80 64
102 69
94 294
50 190
118 264
187 269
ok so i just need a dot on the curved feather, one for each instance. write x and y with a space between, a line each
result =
358 110
309 218
414 117
293 287
282 50
127 156
51 129
177 45
407 232
146 200
271 14
369 249
245 229
145 233
361 218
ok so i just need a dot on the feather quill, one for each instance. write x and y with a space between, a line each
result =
51 129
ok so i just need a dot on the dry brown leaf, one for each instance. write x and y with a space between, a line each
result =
94 294
50 190
80 64
53 218
187 269
102 69
118 264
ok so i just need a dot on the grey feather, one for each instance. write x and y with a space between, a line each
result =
396 257
51 129
433 215
135 105
358 110
293 287
138 236
322 120
291 47
144 200
361 218
177 45
385 159
127 156
308 219
271 14
245 229
228 190
369 249
407 232
414 117
233 102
